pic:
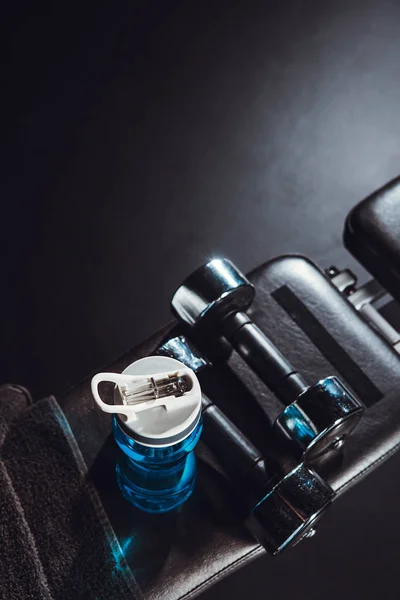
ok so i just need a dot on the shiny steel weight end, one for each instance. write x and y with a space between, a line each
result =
321 418
181 349
211 292
288 513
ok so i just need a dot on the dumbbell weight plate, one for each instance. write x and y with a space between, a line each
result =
288 513
321 418
211 292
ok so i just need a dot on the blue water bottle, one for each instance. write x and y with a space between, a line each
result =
157 424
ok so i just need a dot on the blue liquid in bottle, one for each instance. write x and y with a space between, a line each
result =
156 479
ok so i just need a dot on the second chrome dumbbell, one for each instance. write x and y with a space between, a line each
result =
283 508
317 418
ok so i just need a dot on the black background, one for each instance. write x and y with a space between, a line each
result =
141 139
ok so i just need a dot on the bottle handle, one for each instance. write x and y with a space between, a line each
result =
116 378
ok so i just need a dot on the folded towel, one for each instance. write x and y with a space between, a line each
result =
56 541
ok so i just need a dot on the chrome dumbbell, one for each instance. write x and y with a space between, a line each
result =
283 509
317 418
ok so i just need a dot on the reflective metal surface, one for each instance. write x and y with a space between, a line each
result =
211 292
183 350
344 280
370 292
289 511
321 418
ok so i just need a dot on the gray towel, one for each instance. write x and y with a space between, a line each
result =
56 541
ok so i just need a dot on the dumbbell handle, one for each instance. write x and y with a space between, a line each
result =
263 357
240 459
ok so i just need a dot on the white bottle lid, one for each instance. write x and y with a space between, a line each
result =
158 421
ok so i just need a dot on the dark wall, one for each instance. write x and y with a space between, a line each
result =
143 138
